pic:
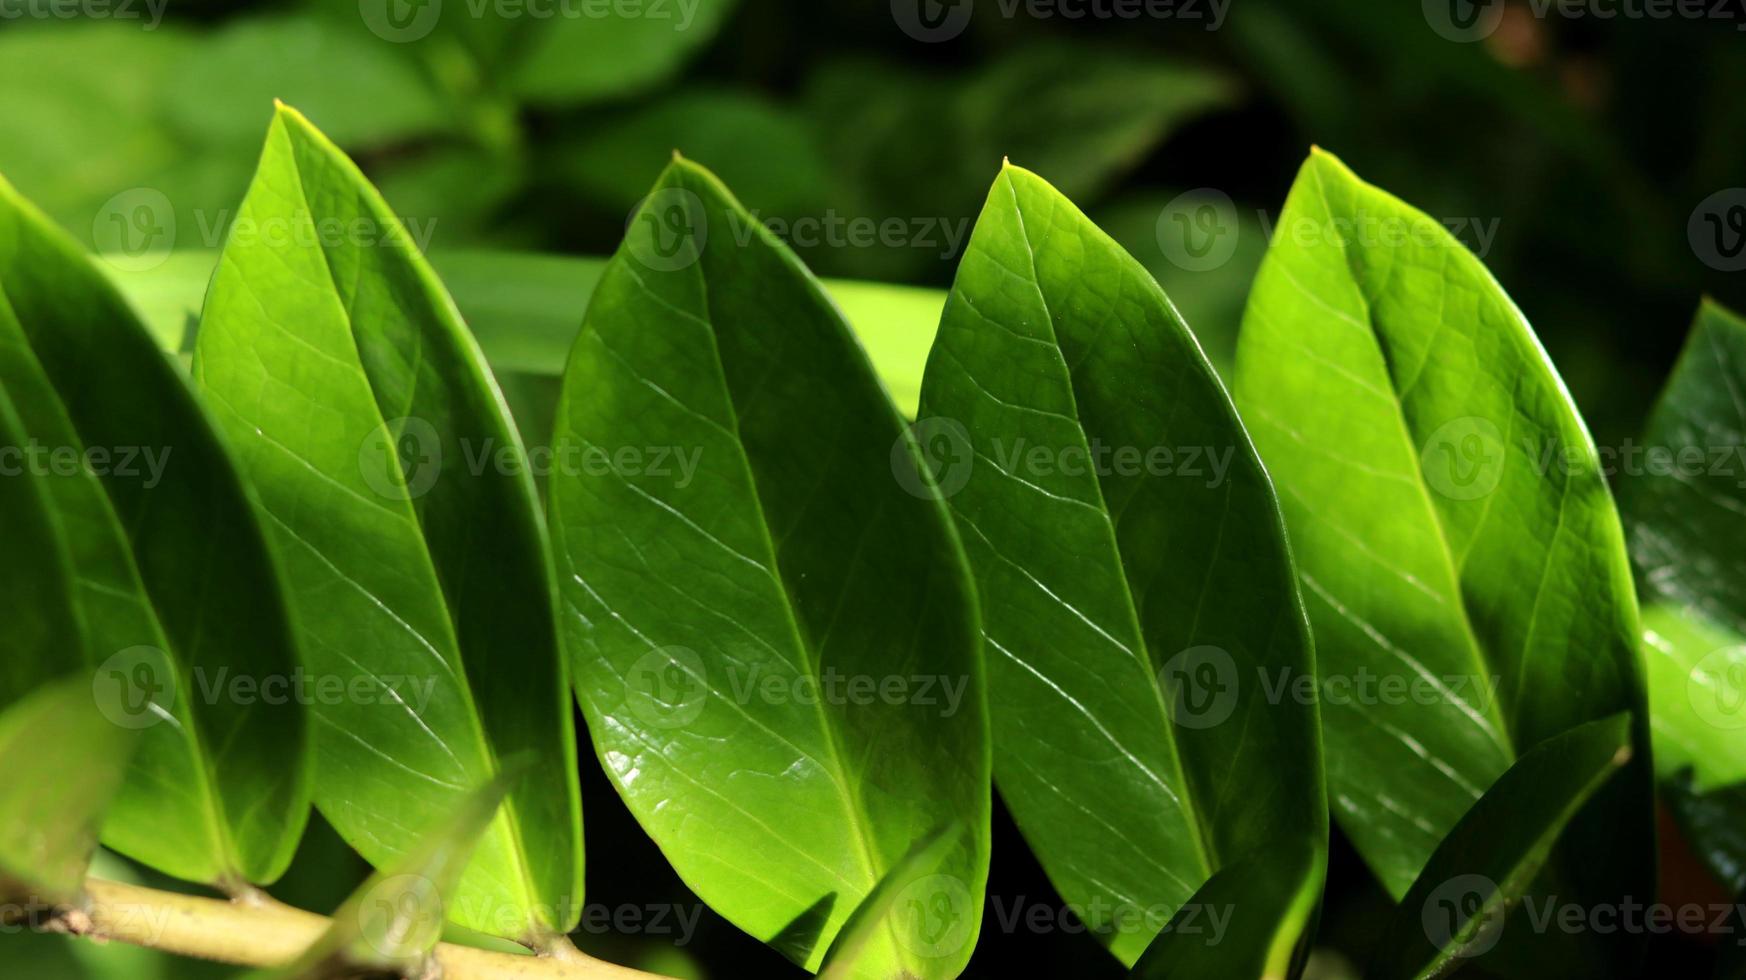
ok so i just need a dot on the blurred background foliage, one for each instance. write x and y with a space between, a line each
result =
1586 142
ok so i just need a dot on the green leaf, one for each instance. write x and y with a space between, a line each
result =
1464 566
402 512
608 51
521 307
1683 498
1138 604
1697 696
743 569
366 92
171 578
906 890
1456 911
1252 918
64 763
394 920
88 93
738 133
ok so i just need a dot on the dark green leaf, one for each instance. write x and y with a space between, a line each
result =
1456 911
171 577
1684 499
404 517
1252 918
1464 565
1130 555
774 641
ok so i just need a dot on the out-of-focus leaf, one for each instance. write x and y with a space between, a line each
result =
362 411
522 308
605 51
64 762
725 592
1454 913
742 136
179 598
907 146
393 921
1472 598
1684 499
363 89
1252 918
1135 607
448 193
79 102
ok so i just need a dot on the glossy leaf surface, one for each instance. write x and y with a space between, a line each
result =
1684 500
774 641
1132 566
171 579
405 520
1462 560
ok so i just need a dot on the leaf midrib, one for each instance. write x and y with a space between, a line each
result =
1190 794
524 880
1476 650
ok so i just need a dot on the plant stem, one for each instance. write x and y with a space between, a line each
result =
273 935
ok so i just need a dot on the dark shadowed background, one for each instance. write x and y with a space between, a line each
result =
1593 153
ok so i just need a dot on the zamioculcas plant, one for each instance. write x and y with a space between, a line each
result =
1135 603
357 403
738 564
145 562
1685 511
772 595
1403 407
